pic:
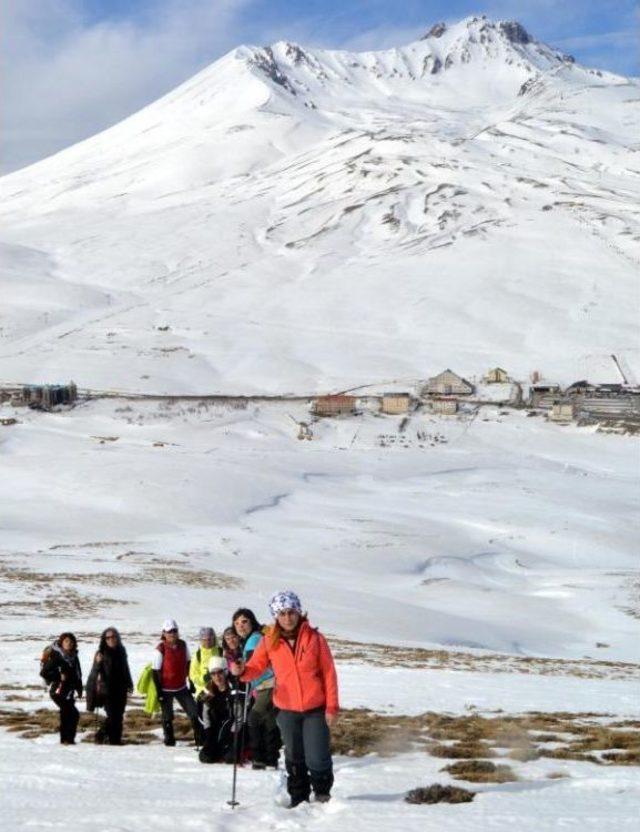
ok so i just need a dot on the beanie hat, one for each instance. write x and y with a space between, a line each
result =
286 600
169 624
207 632
216 663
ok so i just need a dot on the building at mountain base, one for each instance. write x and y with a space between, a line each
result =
339 405
448 383
45 396
395 403
497 376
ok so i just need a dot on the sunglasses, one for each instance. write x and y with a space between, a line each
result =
171 631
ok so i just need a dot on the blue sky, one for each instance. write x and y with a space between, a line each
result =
603 33
73 67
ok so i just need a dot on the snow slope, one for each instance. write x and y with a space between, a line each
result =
310 220
496 532
493 533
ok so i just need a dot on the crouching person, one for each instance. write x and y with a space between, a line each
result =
170 674
217 714
306 694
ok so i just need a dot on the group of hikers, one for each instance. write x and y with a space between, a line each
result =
246 695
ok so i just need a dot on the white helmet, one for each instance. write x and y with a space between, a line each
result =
216 663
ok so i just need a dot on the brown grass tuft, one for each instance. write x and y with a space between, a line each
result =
481 771
462 750
439 794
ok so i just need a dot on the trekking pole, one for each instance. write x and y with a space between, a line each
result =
233 802
245 709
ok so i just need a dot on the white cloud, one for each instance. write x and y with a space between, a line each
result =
65 78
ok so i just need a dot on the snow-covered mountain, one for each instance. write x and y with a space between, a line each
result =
303 219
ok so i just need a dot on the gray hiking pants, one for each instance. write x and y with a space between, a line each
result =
307 751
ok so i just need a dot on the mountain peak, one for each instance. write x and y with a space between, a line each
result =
492 58
510 30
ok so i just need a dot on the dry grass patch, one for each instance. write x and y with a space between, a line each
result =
357 732
470 739
53 594
569 754
462 750
624 758
439 794
481 771
387 656
139 727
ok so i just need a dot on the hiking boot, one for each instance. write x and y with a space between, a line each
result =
297 801
321 782
167 730
298 784
256 766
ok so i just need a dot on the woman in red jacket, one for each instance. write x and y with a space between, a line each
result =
306 694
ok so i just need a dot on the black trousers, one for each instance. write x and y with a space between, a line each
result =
264 734
186 701
69 717
114 709
218 744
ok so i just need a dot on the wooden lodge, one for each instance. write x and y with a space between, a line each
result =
497 376
338 405
445 407
448 383
395 403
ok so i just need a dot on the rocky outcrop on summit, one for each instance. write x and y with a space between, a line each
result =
436 31
515 32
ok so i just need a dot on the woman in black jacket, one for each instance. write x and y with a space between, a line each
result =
219 719
109 683
61 669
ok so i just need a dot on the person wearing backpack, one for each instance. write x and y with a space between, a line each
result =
60 668
170 674
306 694
108 685
198 668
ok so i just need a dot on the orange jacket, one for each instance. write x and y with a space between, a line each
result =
305 679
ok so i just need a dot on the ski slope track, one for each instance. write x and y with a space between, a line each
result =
309 220
292 221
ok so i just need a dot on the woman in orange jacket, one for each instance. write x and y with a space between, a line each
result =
306 694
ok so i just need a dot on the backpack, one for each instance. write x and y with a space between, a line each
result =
44 658
96 689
